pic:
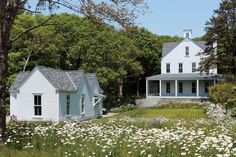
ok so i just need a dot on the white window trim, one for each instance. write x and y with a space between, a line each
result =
169 68
83 95
95 103
186 51
38 116
195 67
182 68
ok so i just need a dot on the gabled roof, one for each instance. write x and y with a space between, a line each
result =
19 80
168 47
58 78
185 76
90 78
61 80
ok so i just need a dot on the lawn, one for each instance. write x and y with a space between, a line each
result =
185 114
191 133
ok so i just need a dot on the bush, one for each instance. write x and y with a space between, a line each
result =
233 112
225 94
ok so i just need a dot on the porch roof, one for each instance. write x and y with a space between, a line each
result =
185 76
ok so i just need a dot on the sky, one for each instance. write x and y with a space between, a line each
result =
171 17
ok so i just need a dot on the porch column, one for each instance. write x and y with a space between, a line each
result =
176 84
147 89
159 88
197 88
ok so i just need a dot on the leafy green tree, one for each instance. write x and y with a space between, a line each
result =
221 29
150 46
121 11
224 93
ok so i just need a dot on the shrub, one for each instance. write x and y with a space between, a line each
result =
224 93
233 112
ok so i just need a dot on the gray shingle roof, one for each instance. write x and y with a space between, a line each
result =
168 47
75 76
185 76
58 78
61 80
19 80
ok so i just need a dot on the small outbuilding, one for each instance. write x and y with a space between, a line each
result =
48 94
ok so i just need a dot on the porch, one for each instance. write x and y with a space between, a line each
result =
180 85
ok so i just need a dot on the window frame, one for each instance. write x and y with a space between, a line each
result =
67 104
167 87
194 68
187 50
187 35
82 104
181 68
180 87
37 105
194 87
167 67
95 100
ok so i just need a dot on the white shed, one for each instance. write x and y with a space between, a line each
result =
49 94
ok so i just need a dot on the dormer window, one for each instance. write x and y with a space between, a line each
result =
167 67
187 35
186 51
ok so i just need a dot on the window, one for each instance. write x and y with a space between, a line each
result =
193 87
95 100
186 51
68 104
82 103
167 87
37 105
180 67
187 35
180 87
167 67
207 84
194 67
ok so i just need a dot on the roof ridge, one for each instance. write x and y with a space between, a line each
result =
41 66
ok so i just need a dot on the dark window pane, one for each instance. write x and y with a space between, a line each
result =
35 100
193 87
180 87
206 87
38 110
168 87
39 100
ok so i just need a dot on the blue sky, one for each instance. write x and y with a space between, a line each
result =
170 17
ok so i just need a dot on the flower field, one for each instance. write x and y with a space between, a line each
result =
123 137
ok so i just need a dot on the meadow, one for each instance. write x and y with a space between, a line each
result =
187 131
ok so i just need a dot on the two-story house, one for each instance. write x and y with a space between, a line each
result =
179 77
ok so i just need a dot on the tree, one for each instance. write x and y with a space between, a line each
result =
121 11
224 93
151 47
221 29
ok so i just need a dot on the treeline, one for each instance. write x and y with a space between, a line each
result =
120 59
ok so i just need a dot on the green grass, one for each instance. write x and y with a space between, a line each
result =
185 114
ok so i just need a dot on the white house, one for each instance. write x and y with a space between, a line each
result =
179 77
55 95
